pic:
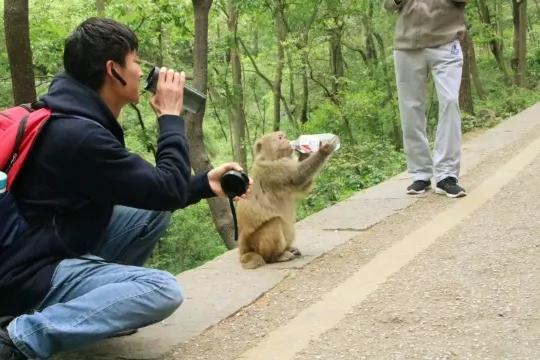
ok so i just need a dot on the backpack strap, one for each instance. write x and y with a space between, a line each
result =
19 139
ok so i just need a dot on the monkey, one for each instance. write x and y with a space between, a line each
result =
266 218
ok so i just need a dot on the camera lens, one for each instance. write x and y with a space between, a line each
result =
234 183
151 80
194 101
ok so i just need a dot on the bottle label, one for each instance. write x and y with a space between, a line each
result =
307 144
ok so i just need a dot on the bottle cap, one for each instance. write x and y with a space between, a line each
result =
3 182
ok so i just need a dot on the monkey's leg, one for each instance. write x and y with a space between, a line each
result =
289 233
272 243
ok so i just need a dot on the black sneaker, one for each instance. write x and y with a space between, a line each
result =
450 188
8 350
125 333
418 187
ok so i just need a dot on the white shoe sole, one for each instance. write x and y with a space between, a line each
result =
415 192
453 196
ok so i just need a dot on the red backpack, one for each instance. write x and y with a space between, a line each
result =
20 127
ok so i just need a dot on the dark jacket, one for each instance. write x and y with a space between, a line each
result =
77 171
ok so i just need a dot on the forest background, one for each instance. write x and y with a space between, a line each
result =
301 66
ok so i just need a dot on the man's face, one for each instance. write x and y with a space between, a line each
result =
131 73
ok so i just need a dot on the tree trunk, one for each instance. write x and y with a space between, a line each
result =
305 84
371 50
100 7
17 32
237 102
160 59
200 161
336 54
281 34
303 47
519 62
465 93
474 69
495 43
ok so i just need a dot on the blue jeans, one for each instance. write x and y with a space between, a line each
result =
91 300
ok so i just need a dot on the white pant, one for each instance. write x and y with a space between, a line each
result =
412 66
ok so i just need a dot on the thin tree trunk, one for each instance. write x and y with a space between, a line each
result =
161 45
199 157
519 61
336 54
303 46
473 66
292 92
16 27
281 34
495 43
465 93
305 83
100 7
269 83
237 102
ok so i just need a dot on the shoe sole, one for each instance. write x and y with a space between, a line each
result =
418 192
453 196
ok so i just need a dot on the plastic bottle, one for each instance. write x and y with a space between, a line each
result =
3 183
306 144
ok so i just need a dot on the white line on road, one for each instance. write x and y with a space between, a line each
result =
284 342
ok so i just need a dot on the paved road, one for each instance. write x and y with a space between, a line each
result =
443 279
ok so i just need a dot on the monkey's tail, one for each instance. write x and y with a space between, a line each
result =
251 260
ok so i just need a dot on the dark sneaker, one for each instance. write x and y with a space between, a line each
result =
125 333
450 188
8 350
418 187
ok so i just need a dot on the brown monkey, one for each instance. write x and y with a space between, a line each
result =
266 218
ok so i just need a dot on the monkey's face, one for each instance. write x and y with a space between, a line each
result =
273 146
283 145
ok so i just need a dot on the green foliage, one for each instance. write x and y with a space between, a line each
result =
191 240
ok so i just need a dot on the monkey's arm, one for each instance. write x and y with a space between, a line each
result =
308 168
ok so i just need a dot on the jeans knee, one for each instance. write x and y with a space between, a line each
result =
170 293
161 220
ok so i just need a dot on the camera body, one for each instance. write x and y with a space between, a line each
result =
234 183
194 100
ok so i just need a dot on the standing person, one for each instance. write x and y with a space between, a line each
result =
427 40
93 210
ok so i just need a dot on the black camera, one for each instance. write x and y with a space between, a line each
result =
194 100
234 183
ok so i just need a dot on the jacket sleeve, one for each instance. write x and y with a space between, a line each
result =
393 5
107 172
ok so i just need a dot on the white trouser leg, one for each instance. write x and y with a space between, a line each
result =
411 77
446 63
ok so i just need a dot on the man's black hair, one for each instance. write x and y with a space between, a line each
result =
92 44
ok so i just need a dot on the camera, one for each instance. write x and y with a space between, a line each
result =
234 183
194 100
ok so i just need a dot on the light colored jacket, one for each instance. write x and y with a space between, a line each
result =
427 23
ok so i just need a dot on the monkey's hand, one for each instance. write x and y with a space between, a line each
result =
328 147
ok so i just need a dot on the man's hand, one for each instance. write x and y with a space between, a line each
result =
214 178
169 96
